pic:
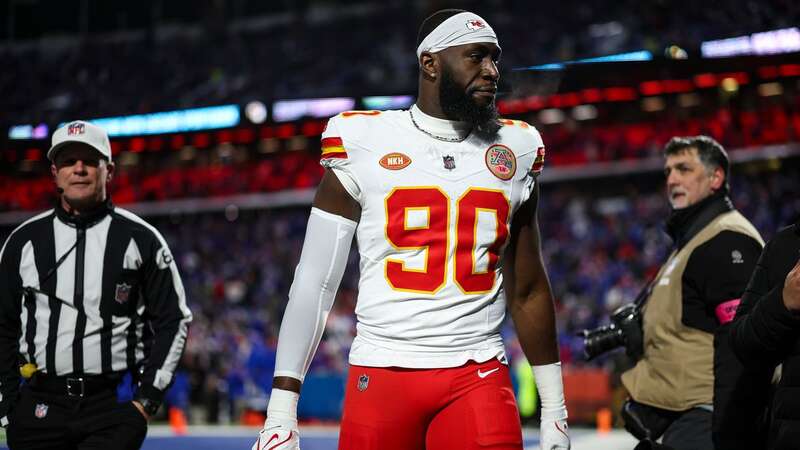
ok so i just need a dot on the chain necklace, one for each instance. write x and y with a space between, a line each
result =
441 138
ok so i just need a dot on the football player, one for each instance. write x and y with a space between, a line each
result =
442 199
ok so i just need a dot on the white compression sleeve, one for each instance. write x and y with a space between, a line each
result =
316 280
551 390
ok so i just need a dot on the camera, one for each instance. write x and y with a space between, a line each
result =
625 329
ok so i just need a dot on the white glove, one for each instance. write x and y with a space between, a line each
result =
280 428
277 438
554 435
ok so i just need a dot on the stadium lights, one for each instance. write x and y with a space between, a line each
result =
28 132
383 103
194 119
657 87
619 94
786 40
179 121
288 110
705 80
729 84
641 55
675 52
256 112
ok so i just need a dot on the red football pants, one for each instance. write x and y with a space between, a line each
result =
461 408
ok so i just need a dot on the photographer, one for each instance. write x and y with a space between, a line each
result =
685 365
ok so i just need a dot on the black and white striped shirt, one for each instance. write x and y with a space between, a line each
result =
116 302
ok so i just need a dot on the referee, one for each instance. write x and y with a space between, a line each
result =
88 292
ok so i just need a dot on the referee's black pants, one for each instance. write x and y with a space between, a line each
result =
47 421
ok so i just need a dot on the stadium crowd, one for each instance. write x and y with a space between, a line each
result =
233 57
603 239
619 132
603 236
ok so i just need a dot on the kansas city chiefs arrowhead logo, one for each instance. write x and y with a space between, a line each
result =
475 25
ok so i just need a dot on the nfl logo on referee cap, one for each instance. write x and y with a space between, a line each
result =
76 128
41 411
363 382
122 293
84 133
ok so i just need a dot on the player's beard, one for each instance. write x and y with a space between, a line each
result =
458 104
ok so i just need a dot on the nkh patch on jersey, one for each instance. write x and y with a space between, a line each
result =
431 236
395 161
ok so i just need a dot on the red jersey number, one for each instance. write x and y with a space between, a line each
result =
433 237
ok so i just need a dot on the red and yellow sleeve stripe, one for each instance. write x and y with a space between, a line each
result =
538 163
332 147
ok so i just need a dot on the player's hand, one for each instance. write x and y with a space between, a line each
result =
141 410
791 289
554 435
277 438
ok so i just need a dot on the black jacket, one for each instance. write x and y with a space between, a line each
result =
765 334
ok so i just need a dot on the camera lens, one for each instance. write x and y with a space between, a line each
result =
597 342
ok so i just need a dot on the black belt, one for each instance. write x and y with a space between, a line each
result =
74 385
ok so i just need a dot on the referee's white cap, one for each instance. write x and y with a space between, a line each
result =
82 132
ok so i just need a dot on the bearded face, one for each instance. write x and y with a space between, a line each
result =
461 103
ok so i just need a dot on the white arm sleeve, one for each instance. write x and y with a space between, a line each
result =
316 280
551 390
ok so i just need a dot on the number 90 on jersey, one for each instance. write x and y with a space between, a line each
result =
436 236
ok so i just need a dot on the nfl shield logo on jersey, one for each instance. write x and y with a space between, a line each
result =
123 293
363 382
41 411
449 162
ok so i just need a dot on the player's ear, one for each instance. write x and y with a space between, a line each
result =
429 65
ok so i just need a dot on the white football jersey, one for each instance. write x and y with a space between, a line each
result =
435 219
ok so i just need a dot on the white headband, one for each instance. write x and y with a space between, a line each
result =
462 28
